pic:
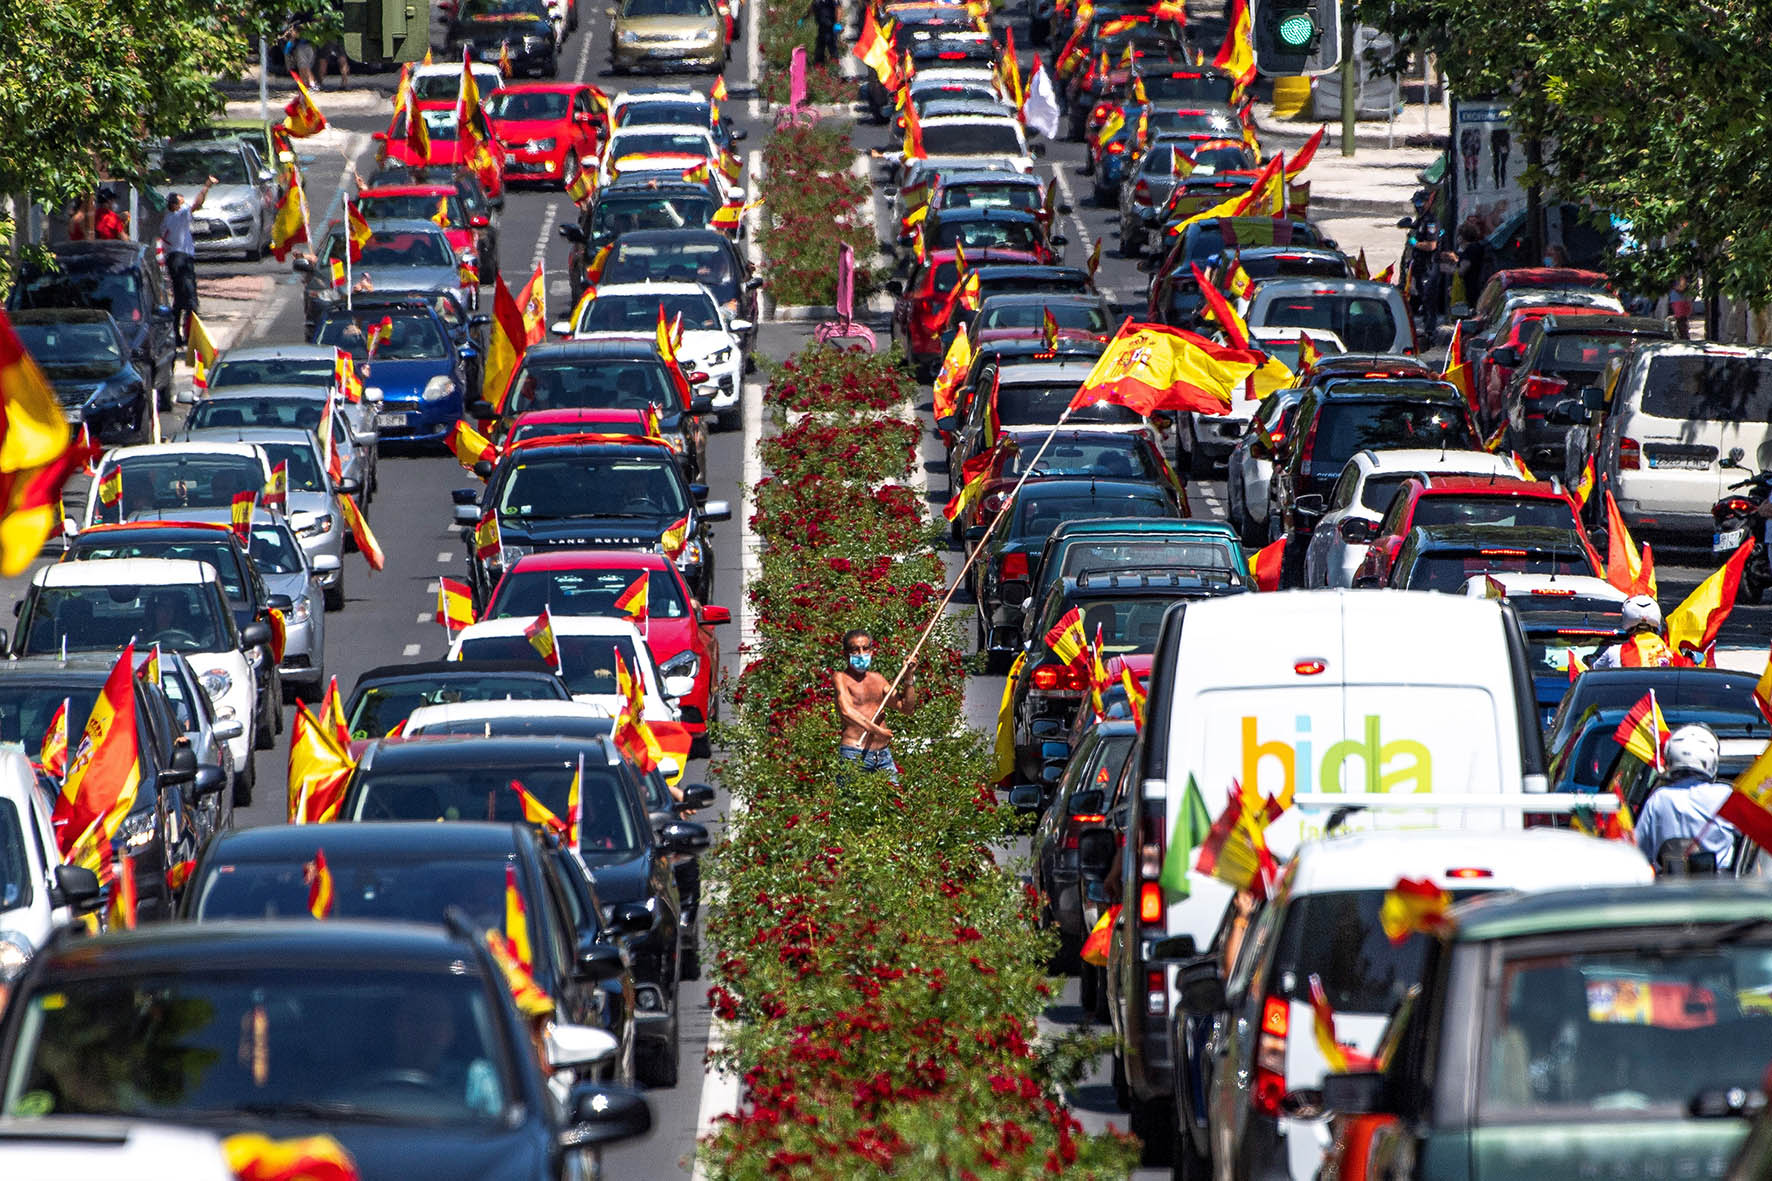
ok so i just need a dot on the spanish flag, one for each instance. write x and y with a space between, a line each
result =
289 228
531 1001
487 543
1749 806
470 125
254 1157
698 173
110 489
718 93
240 514
336 267
1111 126
35 431
357 230
277 488
1235 849
1003 749
971 484
1414 906
1308 352
1094 263
52 752
1265 565
1303 156
675 539
105 773
379 334
360 530
913 134
1066 639
279 633
469 445
418 137
575 804
507 338
301 117
594 268
954 368
667 351
504 58
517 920
1048 331
1135 696
582 186
1323 1027
1238 280
540 634
1236 54
203 352
1692 627
455 604
319 880
1763 692
320 763
33 505
1151 367
1584 487
632 602
1236 332
1643 732
121 916
536 812
1626 569
1100 938
151 667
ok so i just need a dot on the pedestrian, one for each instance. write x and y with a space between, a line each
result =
333 57
181 257
863 694
107 222
824 14
80 220
1679 308
298 53
1555 255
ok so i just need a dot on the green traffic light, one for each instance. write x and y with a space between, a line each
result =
1296 30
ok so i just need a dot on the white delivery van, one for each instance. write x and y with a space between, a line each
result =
1345 693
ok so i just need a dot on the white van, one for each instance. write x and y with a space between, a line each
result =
1305 692
38 893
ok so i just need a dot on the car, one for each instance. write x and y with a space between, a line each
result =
431 779
86 360
679 630
474 198
977 230
299 407
240 206
1132 543
1077 314
1475 342
1492 363
289 365
560 424
1026 396
1354 507
676 35
671 149
1367 315
446 153
1281 344
43 892
99 606
119 277
1109 157
1442 557
636 203
387 990
528 41
471 235
674 104
168 822
1202 441
1144 197
441 82
1644 995
1074 803
1173 295
422 370
1503 284
383 698
1015 548
548 130
588 646
1439 499
168 478
582 483
1321 929
1567 619
713 345
403 256
1070 453
1556 377
1008 275
196 725
707 257
1584 753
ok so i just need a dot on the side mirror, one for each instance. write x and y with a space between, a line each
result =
280 603
604 1113
1015 591
478 221
76 888
716 510
1052 772
1095 852
631 918
1200 988
601 961
1358 530
739 135
348 486
975 532
1310 505
183 767
741 325
714 613
1025 798
1064 207
561 328
228 728
483 468
700 403
464 496
1506 356
480 408
185 398
1354 1094
466 514
1084 803
1060 240
326 563
208 782
579 1047
255 635
683 836
1566 412
677 688
302 264
947 422
1405 223
573 233
697 795
699 491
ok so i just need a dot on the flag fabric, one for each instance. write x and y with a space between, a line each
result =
1189 832
202 353
1308 353
536 812
301 117
1643 731
675 539
540 634
970 485
1361 271
632 602
52 751
1520 466
1763 692
1302 158
320 763
1040 109
1011 70
289 226
1323 1026
336 269
344 375
506 340
875 50
1749 806
1236 332
1003 748
954 368
1135 696
1098 678
575 804
517 920
1048 330
1151 367
718 93
360 530
1265 565
1692 627
1100 938
151 668
276 494
320 888
104 774
913 134
470 446
380 333
528 996
121 913
1235 849
1626 569
1111 126
1236 54
504 58
1094 258
418 137
34 432
1575 664
240 514
251 1156
110 489
279 633
487 543
1414 906
455 604
1584 487
582 186
1237 280
475 152
1267 196
1066 639
667 351
594 268
32 498
1457 370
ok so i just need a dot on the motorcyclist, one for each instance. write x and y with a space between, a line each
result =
1685 806
1642 645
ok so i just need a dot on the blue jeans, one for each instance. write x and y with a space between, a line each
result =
870 760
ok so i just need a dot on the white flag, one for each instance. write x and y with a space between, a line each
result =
1040 111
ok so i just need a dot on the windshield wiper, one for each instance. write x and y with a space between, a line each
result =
314 1109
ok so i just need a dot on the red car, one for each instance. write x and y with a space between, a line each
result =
920 313
446 150
550 424
1497 366
678 629
1467 500
548 130
438 203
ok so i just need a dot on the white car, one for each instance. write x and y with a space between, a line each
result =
1324 927
1371 478
662 147
442 83
1550 592
38 892
572 718
1211 438
712 343
588 646
100 605
1368 316
970 138
78 1148
162 479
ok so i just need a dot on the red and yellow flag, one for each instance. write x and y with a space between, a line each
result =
1749 806
1457 370
1135 696
320 763
357 231
1323 1027
279 633
632 601
52 752
1238 280
1265 565
254 1157
971 483
110 488
1414 906
1236 54
105 773
240 512
1235 848
301 116
276 495
455 604
506 340
1308 353
1643 731
954 368
1236 332
1100 938
1302 158
418 137
34 453
289 227
718 93
1763 692
1066 639
531 1001
582 186
360 529
540 634
536 812
487 543
320 887
1584 487
1692 627
1048 331
517 920
667 351
1151 367
675 539
121 914
471 133
1626 569
380 333
470 446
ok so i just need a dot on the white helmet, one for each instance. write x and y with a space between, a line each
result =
1639 611
1692 748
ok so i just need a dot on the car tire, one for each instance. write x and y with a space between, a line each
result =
335 594
1154 1125
1185 1163
263 736
1088 987
655 1063
1122 1092
244 782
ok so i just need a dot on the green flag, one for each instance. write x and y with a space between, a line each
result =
1191 827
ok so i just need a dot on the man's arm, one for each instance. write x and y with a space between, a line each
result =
197 202
904 698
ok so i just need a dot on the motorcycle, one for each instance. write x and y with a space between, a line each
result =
1737 516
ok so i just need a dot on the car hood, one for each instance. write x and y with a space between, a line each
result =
681 26
296 585
404 379
602 533
620 877
397 279
74 384
436 1152
701 342
312 504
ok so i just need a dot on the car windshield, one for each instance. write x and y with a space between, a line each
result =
686 260
1040 405
116 290
1112 456
439 121
982 195
589 661
1182 86
1345 427
395 248
609 487
529 104
988 235
583 592
274 549
217 551
181 481
1186 122
1643 1029
26 709
633 8
1364 323
1709 388
614 383
640 143
662 112
1155 553
399 888
1337 937
183 617
1447 570
973 139
1495 510
381 707
314 371
416 206
299 413
621 214
416 336
1081 317
1126 625
639 313
15 863
72 348
455 792
1550 649
302 464
404 1046
190 167
1041 512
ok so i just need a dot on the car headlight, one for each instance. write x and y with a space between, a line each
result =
216 682
438 388
543 145
691 555
15 952
300 610
508 554
137 828
627 37
719 356
684 664
315 526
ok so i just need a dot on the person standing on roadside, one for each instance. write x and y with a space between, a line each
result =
862 694
107 222
181 257
824 15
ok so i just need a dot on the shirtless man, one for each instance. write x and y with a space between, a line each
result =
860 692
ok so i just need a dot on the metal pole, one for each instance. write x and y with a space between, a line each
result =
264 83
1427 94
1349 74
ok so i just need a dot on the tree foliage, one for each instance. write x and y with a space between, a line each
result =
1656 110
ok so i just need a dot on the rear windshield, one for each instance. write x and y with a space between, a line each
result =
1447 570
606 384
1549 650
382 707
1126 625
1386 424
988 235
1582 353
991 196
175 480
484 793
315 371
1083 317
1166 553
26 709
972 139
1205 88
1493 510
1338 938
620 214
1295 266
1041 514
1044 403
589 661
1114 457
1364 323
1714 389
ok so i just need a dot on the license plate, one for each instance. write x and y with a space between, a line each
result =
387 420
1730 541
1690 463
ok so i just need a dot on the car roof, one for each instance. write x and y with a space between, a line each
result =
126 572
469 750
306 393
647 287
976 176
460 711
1673 902
1506 482
625 347
1430 460
982 213
408 190
533 87
207 530
394 840
453 669
1285 287
1559 324
1459 858
563 625
1550 586
199 947
1518 277
58 315
1076 488
207 447
1141 525
253 434
593 559
98 250
1121 583
1045 372
75 667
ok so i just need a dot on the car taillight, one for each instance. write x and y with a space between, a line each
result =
1156 993
1541 387
994 502
1073 828
1276 436
1630 455
1057 678
1099 113
1115 148
1015 566
1151 911
1270 1055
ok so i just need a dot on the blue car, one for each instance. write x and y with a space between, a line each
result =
423 368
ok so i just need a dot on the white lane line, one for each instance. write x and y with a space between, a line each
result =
754 252
411 649
753 55
444 557
584 53
425 617
1084 238
541 238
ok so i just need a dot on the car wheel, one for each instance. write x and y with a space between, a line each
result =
1185 1162
655 1065
1088 985
335 594
1122 1092
1154 1124
244 782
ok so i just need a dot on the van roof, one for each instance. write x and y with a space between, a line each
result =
1460 859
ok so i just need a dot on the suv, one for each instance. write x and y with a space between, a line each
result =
118 277
1443 557
1174 295
1556 377
84 356
1367 315
1135 543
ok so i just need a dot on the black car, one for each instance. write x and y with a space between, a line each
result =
632 203
384 697
524 40
1557 374
168 822
602 495
470 778
86 360
707 257
415 873
1173 295
1078 801
112 276
399 1041
976 228
1620 688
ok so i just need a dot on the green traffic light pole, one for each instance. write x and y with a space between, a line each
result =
1349 75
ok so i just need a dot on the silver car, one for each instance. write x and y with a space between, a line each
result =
291 407
313 509
207 734
311 365
403 257
236 215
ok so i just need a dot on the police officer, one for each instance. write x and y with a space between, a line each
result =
1685 805
1642 645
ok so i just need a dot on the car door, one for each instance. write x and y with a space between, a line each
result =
162 333
1321 547
1232 1043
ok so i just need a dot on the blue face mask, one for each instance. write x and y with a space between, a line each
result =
861 661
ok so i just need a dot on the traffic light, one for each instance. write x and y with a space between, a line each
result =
1296 36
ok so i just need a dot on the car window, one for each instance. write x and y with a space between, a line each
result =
117 290
457 792
274 550
1494 510
607 383
1038 514
1447 570
189 167
381 707
26 709
1364 323
1126 625
1379 490
314 371
303 465
1343 493
1113 457
394 248
218 552
1345 427
1157 551
639 313
543 487
181 616
15 859
72 347
527 104
1709 388
1027 402
298 413
707 261
588 661
973 138
641 8
177 480
1082 317
415 335
621 213
445 210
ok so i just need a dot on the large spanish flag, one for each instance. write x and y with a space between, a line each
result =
301 116
1152 367
1236 54
105 772
36 432
319 765
1644 732
1692 627
972 477
1067 639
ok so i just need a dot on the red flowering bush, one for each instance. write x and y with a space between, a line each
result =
812 204
787 23
879 972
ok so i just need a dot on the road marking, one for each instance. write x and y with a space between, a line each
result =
541 238
584 53
409 650
1076 219
424 617
444 557
754 252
